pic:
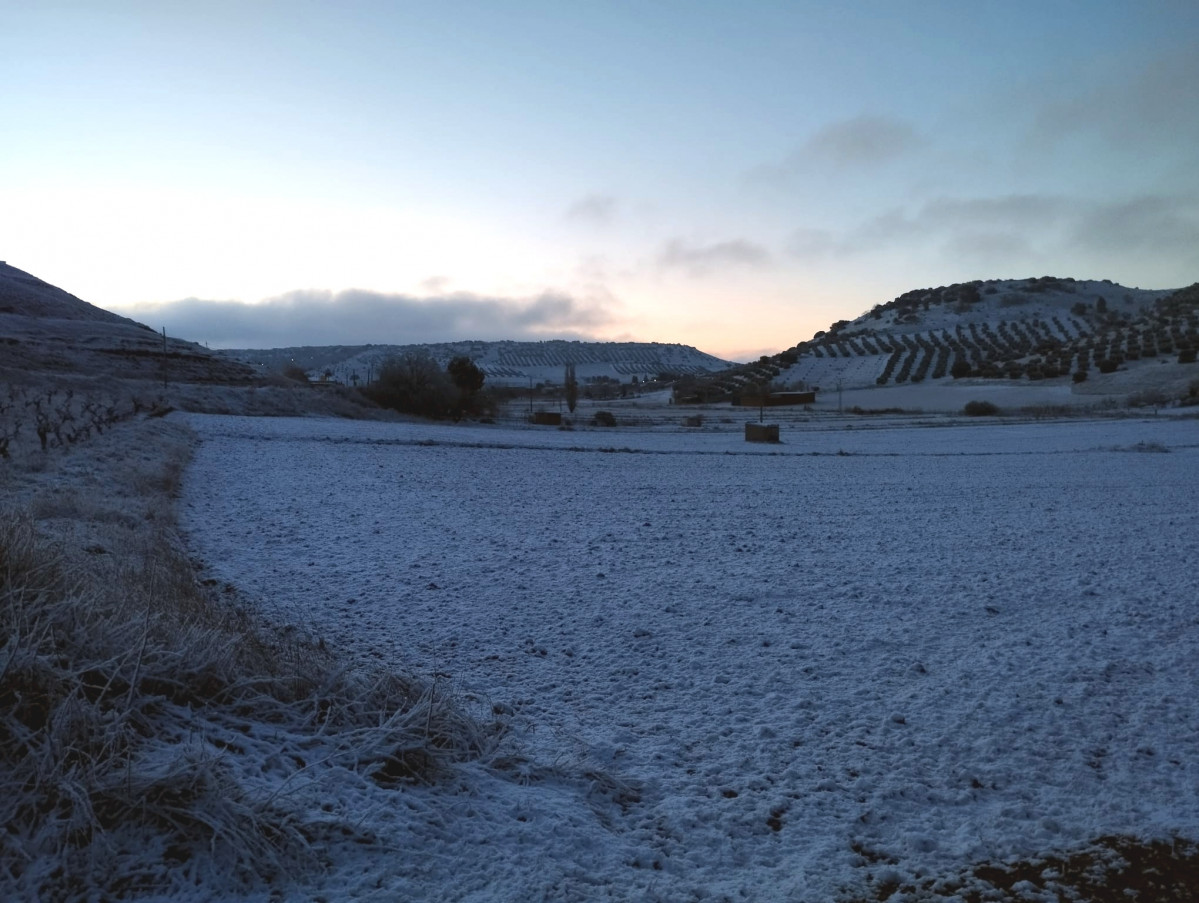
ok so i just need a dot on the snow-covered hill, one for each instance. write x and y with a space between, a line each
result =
505 363
1045 330
46 329
23 294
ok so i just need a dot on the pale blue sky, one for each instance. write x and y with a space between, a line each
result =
729 175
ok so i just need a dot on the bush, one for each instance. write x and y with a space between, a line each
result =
980 409
413 384
604 418
1152 398
1080 376
1186 356
1191 398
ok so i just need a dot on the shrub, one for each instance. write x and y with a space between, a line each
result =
1107 365
1191 397
604 418
1153 398
980 409
413 384
467 376
1186 356
1080 376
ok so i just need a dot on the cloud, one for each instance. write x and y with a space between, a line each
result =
1145 225
1013 211
811 244
973 225
357 317
699 260
1153 107
1020 229
863 142
986 246
593 210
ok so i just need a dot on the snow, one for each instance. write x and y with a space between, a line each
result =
742 671
1013 301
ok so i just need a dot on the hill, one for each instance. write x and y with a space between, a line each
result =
25 295
504 363
46 329
1088 337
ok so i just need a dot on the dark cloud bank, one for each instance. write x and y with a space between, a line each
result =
357 317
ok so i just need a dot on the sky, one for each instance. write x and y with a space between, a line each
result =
729 175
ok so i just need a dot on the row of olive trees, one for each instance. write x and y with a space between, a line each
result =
414 383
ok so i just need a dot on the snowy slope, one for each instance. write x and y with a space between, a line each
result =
46 329
1062 310
745 672
25 295
1046 332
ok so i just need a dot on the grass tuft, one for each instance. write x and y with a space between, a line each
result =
154 739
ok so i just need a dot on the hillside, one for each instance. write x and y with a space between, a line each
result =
505 363
46 329
1094 337
26 295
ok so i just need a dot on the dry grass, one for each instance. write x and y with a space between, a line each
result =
279 397
155 739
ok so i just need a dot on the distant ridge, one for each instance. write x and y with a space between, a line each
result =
504 362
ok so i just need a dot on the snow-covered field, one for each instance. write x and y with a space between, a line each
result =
741 671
